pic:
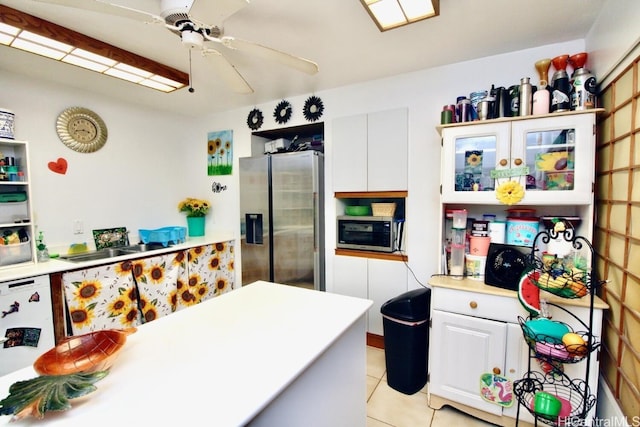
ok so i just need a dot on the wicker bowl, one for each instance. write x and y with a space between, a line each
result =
383 209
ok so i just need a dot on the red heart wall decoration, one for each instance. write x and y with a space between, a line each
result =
59 166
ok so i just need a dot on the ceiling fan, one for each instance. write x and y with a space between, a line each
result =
178 16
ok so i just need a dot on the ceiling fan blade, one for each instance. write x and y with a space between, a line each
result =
215 12
109 9
227 71
284 58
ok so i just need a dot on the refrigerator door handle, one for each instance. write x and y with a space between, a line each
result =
254 228
315 225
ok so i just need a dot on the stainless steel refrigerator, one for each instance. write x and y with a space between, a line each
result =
281 219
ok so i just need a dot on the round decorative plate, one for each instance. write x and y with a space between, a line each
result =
81 129
254 119
313 108
282 113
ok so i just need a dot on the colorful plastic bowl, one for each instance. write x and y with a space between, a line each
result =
357 210
546 405
557 351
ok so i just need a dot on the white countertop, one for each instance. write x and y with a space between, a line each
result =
471 285
56 265
218 363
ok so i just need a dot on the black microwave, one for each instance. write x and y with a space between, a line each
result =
369 233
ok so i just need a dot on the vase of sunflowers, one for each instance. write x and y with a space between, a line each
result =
196 210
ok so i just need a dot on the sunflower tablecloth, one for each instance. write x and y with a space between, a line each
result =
134 292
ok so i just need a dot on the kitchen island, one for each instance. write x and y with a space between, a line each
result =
263 355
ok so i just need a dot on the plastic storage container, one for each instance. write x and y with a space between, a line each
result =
15 254
522 231
405 321
163 235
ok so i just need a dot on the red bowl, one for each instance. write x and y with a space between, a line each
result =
92 352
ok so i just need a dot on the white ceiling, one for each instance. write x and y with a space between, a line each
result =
337 34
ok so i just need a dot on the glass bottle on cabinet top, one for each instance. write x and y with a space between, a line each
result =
552 158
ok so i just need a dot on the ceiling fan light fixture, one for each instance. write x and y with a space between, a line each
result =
191 39
389 14
29 33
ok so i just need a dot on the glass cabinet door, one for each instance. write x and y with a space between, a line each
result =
471 154
559 156
551 157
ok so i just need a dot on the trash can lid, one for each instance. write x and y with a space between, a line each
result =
410 306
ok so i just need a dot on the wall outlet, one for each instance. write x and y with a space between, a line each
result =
78 226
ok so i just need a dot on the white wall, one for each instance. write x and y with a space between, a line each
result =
613 36
153 159
423 93
136 180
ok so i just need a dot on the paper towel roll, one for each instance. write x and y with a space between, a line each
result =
497 231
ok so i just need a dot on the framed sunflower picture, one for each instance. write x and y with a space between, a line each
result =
220 152
473 162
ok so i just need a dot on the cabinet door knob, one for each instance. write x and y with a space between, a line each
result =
496 371
517 162
473 304
503 162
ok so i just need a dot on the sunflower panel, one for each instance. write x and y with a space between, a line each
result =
100 298
210 273
158 278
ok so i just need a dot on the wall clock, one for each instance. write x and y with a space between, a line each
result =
81 129
282 113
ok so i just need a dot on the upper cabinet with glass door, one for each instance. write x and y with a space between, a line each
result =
552 158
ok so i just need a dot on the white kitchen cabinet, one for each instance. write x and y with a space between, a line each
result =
552 157
349 160
475 330
456 376
370 152
16 212
376 279
479 156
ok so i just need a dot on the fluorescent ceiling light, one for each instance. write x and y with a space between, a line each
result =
32 34
388 14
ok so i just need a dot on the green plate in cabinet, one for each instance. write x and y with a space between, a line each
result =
17 196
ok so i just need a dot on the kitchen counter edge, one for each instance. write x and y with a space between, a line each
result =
56 265
470 285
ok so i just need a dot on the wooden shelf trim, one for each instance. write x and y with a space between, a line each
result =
371 194
513 119
392 256
48 29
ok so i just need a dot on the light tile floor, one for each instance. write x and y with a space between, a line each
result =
388 407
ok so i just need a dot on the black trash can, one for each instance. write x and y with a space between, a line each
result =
405 321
